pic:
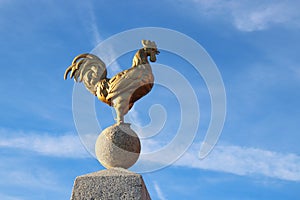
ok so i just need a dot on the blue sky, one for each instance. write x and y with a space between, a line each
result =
255 45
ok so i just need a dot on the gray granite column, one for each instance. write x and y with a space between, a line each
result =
110 184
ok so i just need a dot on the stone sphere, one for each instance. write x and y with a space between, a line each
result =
118 146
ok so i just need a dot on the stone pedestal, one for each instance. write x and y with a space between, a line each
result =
110 184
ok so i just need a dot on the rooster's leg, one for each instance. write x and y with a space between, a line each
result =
121 106
120 115
120 118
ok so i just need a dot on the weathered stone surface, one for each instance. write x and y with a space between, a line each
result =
110 184
118 146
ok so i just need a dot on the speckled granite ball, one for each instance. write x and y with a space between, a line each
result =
118 146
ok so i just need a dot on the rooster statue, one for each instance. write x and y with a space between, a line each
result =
122 90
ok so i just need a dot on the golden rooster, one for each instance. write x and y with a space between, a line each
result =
122 90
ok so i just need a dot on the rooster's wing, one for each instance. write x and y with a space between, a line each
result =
129 81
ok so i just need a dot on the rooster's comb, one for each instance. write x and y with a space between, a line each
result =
148 44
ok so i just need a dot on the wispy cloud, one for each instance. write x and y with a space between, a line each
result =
248 15
246 161
158 191
64 145
93 24
3 2
252 16
243 161
8 197
107 55
23 173
40 178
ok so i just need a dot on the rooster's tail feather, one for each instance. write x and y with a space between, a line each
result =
89 69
